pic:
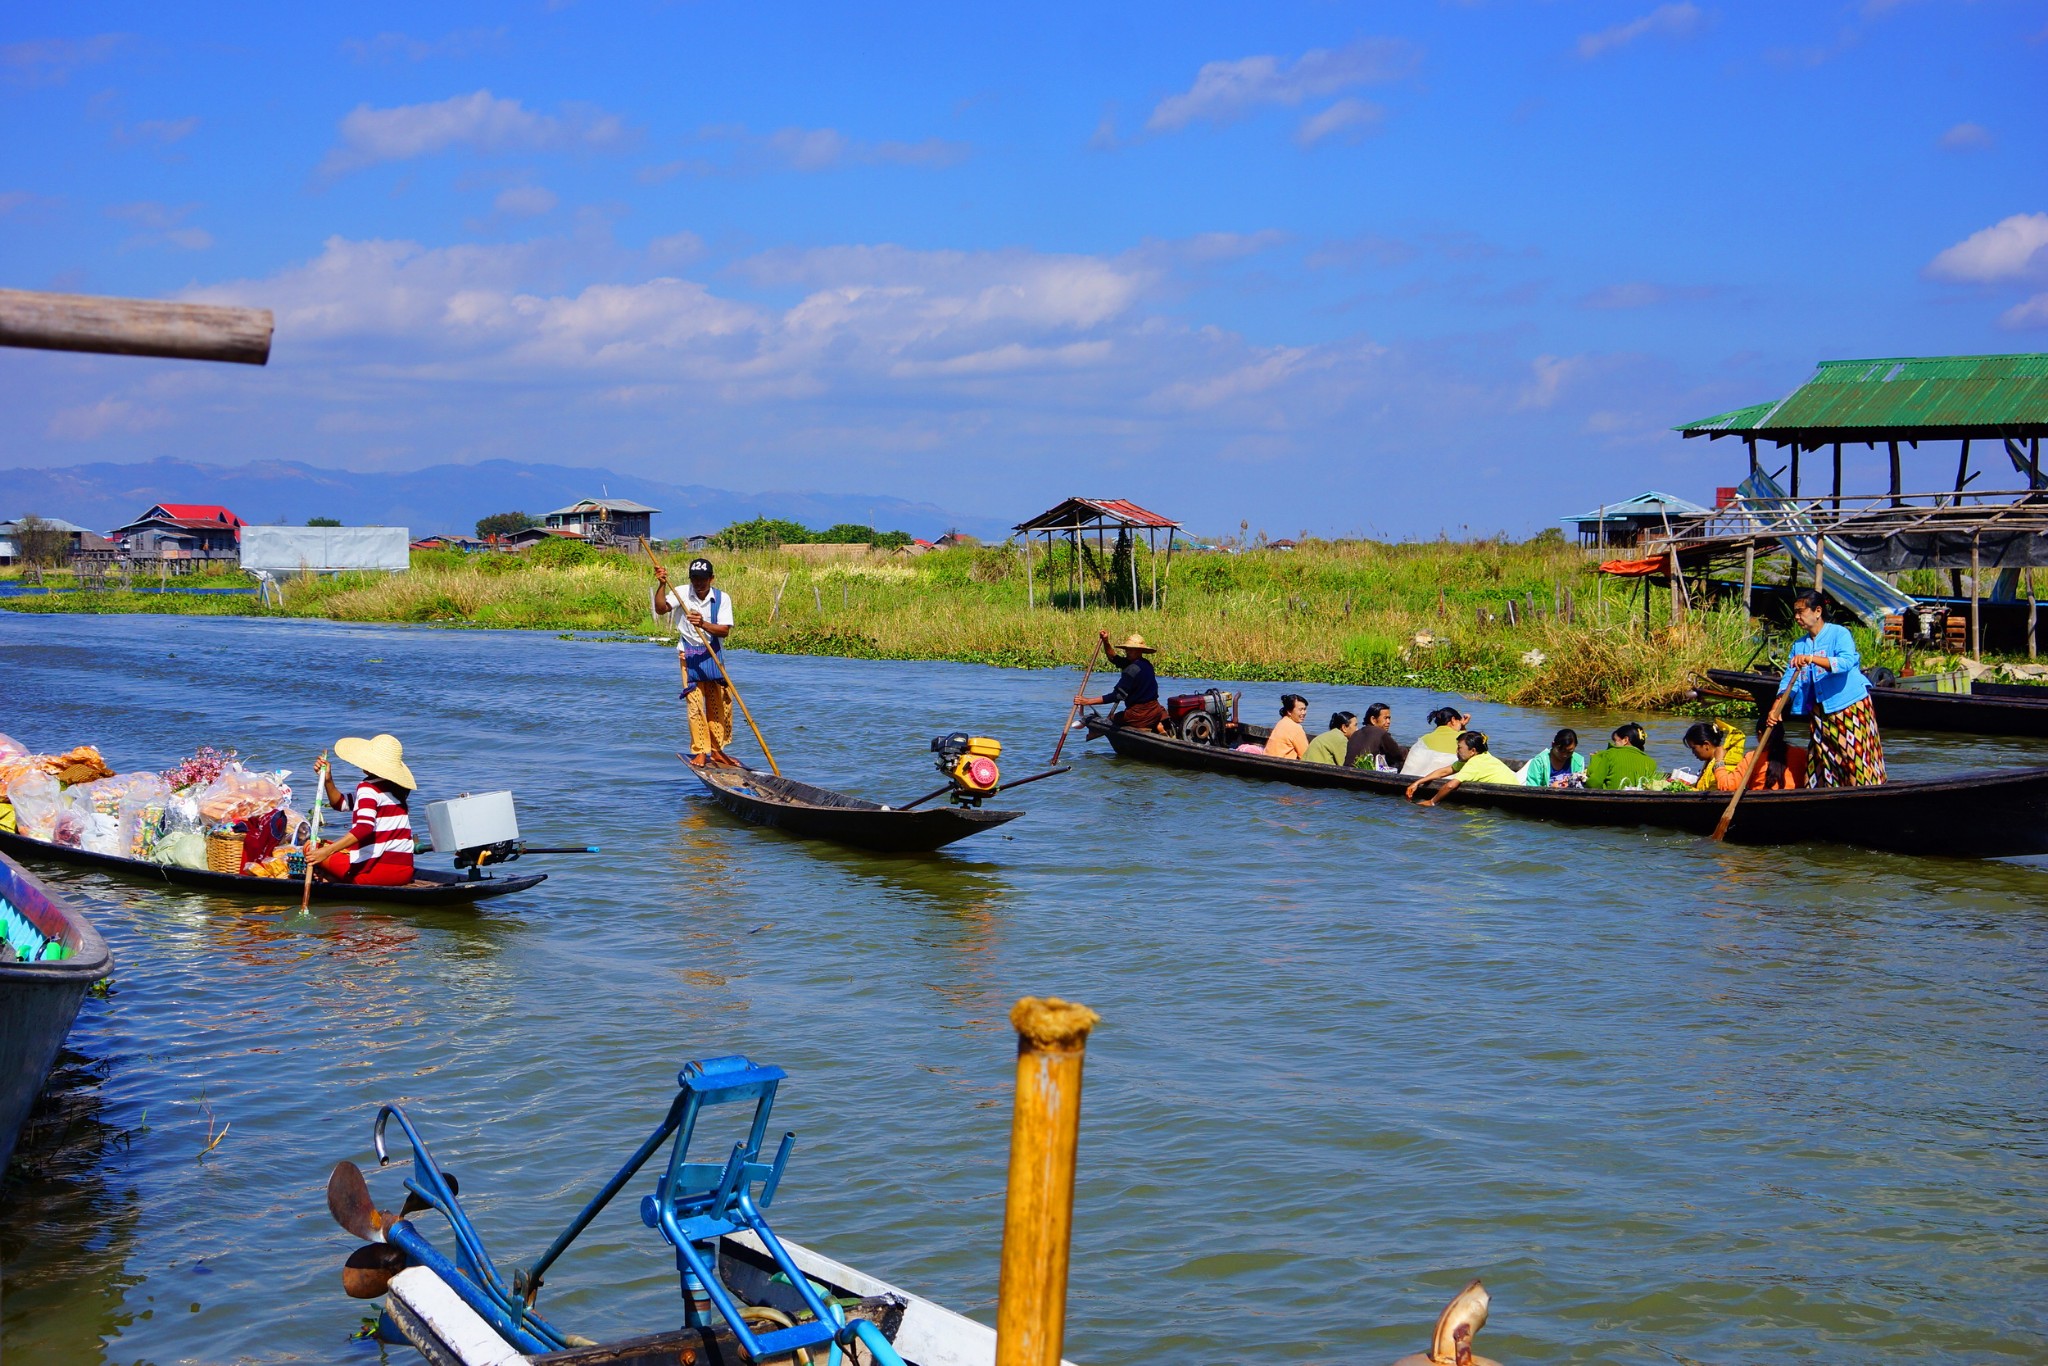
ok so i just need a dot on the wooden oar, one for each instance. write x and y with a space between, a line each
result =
1074 710
313 837
1748 768
648 550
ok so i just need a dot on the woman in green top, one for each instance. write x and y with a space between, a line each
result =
1560 759
1622 763
1329 747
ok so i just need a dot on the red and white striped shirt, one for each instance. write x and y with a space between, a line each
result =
383 829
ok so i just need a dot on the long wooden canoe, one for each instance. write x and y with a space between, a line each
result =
1974 815
1987 709
821 813
53 956
429 887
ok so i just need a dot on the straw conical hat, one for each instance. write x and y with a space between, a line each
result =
1134 641
380 757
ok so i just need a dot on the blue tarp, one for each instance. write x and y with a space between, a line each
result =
1846 581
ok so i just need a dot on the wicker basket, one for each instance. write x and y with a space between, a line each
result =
224 853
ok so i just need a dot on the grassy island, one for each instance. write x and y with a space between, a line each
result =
1523 622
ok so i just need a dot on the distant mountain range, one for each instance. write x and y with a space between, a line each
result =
440 498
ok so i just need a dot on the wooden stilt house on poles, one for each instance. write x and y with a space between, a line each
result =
1856 544
1078 521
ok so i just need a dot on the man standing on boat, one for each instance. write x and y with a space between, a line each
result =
701 617
1137 687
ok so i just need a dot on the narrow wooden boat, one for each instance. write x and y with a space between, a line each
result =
429 887
1974 815
52 957
1987 709
747 1294
821 813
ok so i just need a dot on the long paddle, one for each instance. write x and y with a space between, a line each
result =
648 550
1074 710
313 839
1748 768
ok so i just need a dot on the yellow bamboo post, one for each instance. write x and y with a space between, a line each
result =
1038 1217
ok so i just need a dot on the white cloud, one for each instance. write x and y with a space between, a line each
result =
1548 377
2031 314
393 46
479 122
162 225
2007 250
50 61
525 201
808 150
1672 21
1348 120
1967 137
678 248
107 415
1224 91
165 131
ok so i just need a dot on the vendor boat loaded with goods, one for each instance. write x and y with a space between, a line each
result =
214 823
49 958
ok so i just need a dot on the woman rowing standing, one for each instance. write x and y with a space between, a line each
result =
1824 681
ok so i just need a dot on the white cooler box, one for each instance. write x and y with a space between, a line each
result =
467 822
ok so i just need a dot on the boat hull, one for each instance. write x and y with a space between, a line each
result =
820 813
1978 815
430 887
1912 709
39 1001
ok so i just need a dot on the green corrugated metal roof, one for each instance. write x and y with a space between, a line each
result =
1904 395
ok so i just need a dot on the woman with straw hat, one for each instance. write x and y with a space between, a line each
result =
377 850
1137 688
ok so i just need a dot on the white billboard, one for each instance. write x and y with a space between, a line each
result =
289 549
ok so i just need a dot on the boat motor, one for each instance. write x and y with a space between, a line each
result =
1201 717
969 764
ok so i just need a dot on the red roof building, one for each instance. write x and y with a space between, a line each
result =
193 512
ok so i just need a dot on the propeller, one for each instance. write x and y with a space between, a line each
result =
367 1273
348 1200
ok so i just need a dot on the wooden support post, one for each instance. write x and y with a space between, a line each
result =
1038 1211
1571 615
1962 471
1748 575
1896 500
1820 565
1080 571
134 327
1838 477
1512 621
1976 592
1750 442
817 598
1795 469
2033 612
1152 544
1677 589
1030 588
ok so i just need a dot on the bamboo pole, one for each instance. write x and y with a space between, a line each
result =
1038 1216
1976 590
1820 563
1748 575
134 327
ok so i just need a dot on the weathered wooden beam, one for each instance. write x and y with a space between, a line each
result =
134 327
1895 471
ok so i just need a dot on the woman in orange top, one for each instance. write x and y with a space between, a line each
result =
1289 740
1781 768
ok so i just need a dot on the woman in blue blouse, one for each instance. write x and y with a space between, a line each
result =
1824 681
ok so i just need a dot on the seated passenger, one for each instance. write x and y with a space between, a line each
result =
1781 767
1474 765
1438 750
1328 748
1623 763
1289 740
1561 760
1718 746
1375 740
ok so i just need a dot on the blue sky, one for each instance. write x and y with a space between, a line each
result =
1385 269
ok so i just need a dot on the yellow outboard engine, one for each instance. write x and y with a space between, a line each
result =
969 763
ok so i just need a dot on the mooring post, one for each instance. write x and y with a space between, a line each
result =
1038 1215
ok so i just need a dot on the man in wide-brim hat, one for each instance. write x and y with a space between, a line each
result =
702 618
1137 687
378 848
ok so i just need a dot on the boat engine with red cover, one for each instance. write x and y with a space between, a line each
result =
1202 717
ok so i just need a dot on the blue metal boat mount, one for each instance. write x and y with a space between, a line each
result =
694 1205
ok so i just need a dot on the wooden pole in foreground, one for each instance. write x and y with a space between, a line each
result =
134 327
1038 1217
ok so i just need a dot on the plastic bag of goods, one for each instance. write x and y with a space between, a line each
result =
182 841
239 795
15 767
139 816
11 748
36 798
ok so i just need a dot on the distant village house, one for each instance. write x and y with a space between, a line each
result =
183 531
604 519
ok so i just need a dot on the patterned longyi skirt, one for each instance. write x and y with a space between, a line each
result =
1846 750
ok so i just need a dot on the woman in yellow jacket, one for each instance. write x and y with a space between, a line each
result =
1719 747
